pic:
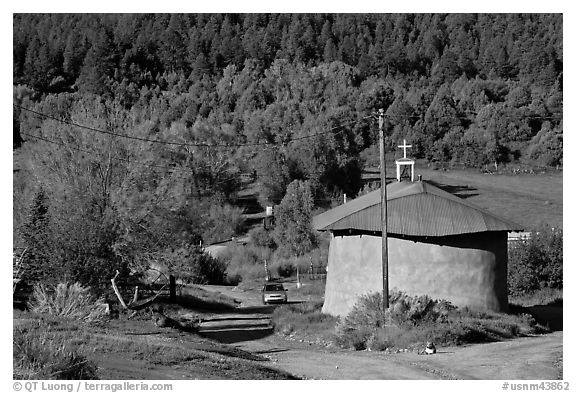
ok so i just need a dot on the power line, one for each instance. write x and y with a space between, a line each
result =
101 154
172 168
182 144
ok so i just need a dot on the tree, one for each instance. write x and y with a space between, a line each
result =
38 67
74 55
192 264
536 263
294 234
78 173
273 175
173 45
36 235
99 66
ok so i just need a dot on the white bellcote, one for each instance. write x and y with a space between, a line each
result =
404 163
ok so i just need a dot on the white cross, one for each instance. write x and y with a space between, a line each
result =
404 147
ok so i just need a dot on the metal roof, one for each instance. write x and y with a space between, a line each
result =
414 209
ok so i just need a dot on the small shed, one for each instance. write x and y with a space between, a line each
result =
438 245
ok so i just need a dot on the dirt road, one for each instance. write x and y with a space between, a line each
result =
536 358
524 358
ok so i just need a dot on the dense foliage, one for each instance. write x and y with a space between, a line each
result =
294 234
536 263
192 265
137 131
470 89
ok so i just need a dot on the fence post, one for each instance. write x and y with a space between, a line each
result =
172 286
298 283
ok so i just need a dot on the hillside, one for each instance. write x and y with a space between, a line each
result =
136 134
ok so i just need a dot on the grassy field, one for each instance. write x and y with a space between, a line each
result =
48 346
527 199
122 349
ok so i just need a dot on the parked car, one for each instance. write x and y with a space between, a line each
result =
274 293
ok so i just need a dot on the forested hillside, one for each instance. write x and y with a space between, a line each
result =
134 133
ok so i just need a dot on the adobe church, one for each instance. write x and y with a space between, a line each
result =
438 245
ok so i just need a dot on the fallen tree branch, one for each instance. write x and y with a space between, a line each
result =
135 304
117 292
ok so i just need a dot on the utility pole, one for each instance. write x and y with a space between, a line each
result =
384 215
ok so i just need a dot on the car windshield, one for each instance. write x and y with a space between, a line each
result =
274 287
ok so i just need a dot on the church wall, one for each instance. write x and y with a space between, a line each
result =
467 270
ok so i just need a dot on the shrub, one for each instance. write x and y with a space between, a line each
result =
536 263
222 222
283 267
193 265
41 353
245 262
69 301
411 321
367 312
262 237
403 310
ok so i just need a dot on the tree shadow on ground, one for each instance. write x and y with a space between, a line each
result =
229 336
459 191
195 303
548 315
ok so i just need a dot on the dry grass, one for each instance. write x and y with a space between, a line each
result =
542 297
49 347
69 301
42 349
304 320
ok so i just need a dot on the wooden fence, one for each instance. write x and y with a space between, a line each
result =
316 273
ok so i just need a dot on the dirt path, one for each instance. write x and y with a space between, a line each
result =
537 357
525 358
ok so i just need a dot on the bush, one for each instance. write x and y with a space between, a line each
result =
222 222
40 353
536 263
285 266
69 301
403 310
262 237
193 265
411 321
245 262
